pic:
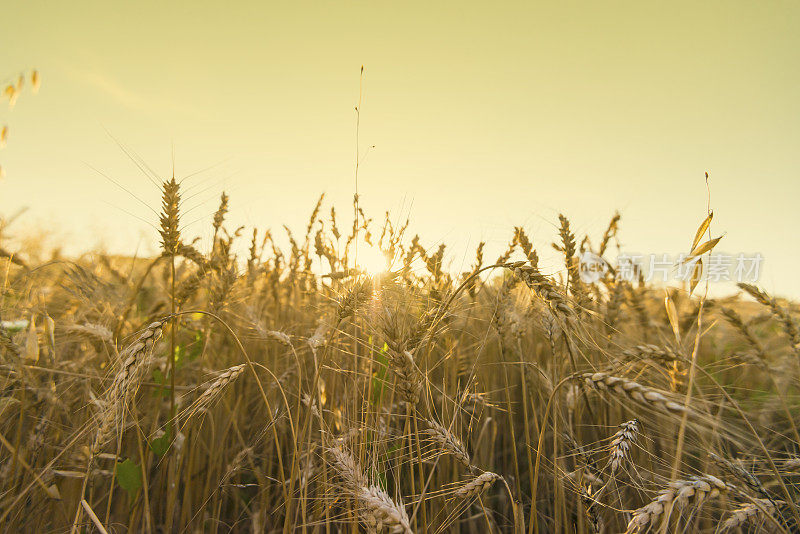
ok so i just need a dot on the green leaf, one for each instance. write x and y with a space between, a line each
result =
129 477
160 445
379 375
382 481
13 327
188 352
180 353
159 378
196 347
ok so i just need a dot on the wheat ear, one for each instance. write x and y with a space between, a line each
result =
449 442
759 509
347 468
478 485
379 510
621 443
678 493
634 391
126 380
217 386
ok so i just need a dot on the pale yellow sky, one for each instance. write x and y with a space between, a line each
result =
483 115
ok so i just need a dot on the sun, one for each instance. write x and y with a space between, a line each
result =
370 258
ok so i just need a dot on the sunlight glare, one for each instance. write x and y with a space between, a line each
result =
370 259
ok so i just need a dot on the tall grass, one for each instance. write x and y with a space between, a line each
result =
293 391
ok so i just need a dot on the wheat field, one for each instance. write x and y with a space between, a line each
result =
296 390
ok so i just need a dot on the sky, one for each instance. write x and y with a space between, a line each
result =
475 117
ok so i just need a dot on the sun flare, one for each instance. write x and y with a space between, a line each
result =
370 258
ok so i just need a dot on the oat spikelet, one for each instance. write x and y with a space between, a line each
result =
448 442
678 494
634 391
621 443
475 487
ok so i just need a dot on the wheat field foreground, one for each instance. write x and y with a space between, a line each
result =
300 390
